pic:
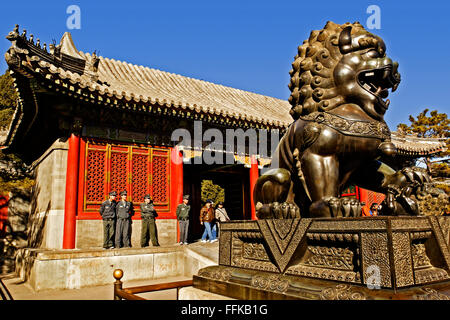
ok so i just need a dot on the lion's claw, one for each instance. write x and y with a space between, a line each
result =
344 207
275 210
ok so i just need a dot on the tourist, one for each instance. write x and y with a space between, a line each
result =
108 213
372 212
148 225
183 219
221 216
207 217
124 211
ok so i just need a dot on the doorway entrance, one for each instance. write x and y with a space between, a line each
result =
233 178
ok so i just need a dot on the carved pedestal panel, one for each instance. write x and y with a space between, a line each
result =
354 258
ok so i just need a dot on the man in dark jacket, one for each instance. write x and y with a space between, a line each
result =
148 215
183 219
108 213
124 211
207 217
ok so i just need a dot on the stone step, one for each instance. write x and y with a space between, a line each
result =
78 268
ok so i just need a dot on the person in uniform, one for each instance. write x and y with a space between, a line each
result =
148 229
124 211
108 213
183 219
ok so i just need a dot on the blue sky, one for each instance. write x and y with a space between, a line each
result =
248 45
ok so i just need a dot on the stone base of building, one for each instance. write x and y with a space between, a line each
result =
90 233
71 269
47 231
343 258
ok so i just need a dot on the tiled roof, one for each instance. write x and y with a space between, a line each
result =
408 145
112 79
108 81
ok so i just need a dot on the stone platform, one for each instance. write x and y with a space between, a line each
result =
341 258
73 269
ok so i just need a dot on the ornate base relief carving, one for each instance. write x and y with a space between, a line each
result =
431 294
273 283
342 292
330 257
404 253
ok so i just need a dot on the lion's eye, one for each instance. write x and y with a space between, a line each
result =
371 54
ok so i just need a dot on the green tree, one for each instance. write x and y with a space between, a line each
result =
14 174
8 94
8 99
434 125
212 191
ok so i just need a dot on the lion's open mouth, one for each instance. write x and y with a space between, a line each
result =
378 82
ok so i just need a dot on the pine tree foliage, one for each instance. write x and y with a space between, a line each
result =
212 191
14 174
432 125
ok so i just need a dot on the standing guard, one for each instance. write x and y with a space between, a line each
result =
183 219
124 211
108 213
148 215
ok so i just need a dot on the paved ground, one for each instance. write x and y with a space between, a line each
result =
22 291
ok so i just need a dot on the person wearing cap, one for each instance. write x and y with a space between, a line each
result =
221 216
207 217
124 211
183 219
372 212
108 213
148 226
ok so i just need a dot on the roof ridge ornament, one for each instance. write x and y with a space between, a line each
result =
68 46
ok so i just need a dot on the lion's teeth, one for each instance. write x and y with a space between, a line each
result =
378 90
366 86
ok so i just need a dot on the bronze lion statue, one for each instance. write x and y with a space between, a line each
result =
339 85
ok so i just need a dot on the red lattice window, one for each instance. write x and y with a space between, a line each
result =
160 185
140 175
119 169
95 175
374 197
138 170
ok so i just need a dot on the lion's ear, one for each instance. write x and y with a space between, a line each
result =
345 40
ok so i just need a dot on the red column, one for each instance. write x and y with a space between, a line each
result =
4 199
176 184
254 174
70 206
362 196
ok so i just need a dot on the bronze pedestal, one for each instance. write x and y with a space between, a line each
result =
340 258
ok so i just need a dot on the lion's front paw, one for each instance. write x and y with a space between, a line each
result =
344 207
415 175
275 210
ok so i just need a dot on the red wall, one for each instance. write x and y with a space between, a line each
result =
138 169
3 214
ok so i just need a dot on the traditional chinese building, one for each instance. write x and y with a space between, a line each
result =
91 124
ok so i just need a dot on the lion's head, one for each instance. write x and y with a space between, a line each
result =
342 64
